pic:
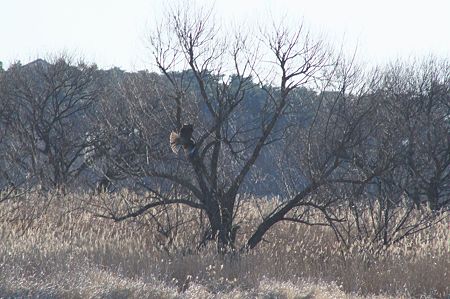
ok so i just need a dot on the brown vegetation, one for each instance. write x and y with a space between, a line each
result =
51 246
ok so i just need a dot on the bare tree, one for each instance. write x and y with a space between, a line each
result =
412 138
360 158
418 97
345 150
47 121
6 181
320 156
210 77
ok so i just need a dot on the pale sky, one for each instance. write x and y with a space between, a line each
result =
113 32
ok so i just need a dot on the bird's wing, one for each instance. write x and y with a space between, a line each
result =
174 142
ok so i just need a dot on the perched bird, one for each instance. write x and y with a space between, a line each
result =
183 138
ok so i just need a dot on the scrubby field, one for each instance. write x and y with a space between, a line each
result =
51 247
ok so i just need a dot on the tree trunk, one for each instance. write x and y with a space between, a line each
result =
220 215
278 216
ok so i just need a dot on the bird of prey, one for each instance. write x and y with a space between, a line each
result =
183 138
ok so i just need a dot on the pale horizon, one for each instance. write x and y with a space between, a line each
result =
113 33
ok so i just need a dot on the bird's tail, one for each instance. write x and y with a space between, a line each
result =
174 142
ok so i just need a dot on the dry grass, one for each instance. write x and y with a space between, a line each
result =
49 249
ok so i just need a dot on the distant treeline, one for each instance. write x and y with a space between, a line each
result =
72 126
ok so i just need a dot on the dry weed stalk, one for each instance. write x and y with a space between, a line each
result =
66 252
